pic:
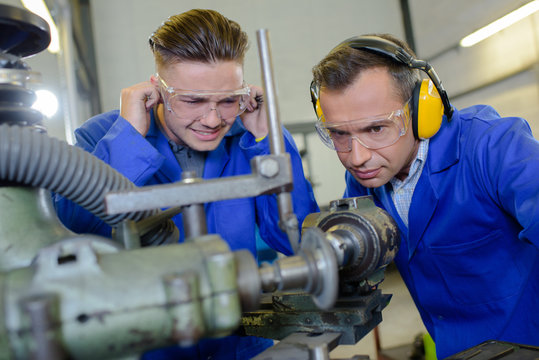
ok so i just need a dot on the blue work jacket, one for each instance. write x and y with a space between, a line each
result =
470 254
150 161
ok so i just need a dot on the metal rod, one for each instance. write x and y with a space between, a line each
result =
194 216
288 221
68 76
272 108
201 192
194 221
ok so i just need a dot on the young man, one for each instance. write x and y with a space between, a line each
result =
463 188
196 113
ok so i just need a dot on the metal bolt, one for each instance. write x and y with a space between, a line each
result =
269 168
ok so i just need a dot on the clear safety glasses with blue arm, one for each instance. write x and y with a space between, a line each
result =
197 104
374 132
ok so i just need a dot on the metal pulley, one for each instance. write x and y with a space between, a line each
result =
364 238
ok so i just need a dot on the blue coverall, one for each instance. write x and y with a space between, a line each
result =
149 160
470 254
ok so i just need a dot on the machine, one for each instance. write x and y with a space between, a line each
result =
70 296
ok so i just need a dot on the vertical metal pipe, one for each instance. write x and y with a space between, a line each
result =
194 216
288 220
68 76
194 221
408 25
272 108
126 233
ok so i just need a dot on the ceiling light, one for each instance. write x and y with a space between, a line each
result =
500 24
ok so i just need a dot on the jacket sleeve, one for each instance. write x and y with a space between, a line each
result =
267 211
112 139
511 165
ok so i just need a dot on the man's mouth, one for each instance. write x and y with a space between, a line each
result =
207 135
367 174
205 132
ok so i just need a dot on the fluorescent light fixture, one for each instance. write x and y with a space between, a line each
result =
500 24
39 8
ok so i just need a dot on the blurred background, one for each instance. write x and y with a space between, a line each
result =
102 46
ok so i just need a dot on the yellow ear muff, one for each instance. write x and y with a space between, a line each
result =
318 110
429 101
315 94
429 111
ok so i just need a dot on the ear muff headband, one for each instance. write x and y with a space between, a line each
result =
388 48
428 108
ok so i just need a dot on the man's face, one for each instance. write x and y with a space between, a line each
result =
206 132
370 95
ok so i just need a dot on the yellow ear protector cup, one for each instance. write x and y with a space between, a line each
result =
318 110
427 110
429 100
316 102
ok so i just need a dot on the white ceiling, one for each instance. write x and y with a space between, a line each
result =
440 24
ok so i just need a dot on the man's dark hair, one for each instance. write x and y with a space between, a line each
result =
340 68
198 35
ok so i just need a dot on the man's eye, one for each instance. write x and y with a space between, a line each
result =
191 101
375 129
229 101
335 132
338 135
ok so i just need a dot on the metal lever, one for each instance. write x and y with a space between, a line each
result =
288 220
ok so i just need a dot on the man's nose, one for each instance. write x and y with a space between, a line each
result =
359 153
212 118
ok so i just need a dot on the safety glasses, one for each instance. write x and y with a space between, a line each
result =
197 104
373 132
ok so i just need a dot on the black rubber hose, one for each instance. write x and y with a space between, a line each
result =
33 158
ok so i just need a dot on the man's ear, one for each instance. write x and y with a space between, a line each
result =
155 82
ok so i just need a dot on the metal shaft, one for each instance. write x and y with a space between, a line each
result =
194 216
288 219
272 108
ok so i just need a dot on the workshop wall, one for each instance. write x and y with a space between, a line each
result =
301 32
500 71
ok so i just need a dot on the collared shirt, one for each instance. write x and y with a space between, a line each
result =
404 190
189 159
